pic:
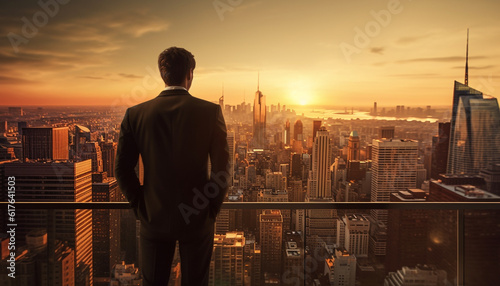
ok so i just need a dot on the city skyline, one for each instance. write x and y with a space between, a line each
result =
251 246
332 53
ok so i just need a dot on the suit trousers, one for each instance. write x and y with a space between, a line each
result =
195 252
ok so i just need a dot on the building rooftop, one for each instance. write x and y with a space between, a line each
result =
411 195
468 191
394 142
357 217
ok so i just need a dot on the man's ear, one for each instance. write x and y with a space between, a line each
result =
190 74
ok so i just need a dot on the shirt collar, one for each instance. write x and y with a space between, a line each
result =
174 87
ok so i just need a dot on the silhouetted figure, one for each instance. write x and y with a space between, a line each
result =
175 134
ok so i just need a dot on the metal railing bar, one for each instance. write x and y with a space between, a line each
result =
277 205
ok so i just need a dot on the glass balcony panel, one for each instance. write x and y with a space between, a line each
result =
258 245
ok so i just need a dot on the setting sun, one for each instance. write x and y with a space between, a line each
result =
301 92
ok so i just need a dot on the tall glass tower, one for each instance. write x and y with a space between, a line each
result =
475 128
459 91
475 135
259 120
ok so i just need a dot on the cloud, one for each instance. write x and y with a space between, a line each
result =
92 77
411 39
75 40
15 80
439 59
476 67
415 75
111 76
143 23
377 50
128 75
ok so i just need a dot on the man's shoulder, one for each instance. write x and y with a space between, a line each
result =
188 99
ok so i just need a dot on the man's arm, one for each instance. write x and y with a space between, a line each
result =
127 156
219 158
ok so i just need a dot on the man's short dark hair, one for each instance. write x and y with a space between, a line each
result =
175 64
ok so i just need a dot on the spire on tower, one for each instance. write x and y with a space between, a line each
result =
222 97
258 79
467 61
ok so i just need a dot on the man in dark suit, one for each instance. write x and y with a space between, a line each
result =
175 134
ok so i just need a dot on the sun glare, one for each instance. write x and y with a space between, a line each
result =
300 92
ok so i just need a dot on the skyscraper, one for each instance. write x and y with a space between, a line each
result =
34 258
491 176
320 224
296 191
105 228
352 234
319 183
293 258
259 120
231 144
108 150
226 266
252 262
316 127
275 195
353 147
45 143
271 231
475 135
480 226
475 128
92 150
296 166
386 132
440 145
407 231
394 168
341 266
82 135
20 126
57 182
286 133
298 131
276 181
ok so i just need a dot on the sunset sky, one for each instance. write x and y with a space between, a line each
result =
330 53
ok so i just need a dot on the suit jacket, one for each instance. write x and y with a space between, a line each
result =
175 134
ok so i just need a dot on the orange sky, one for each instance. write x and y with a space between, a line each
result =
331 53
